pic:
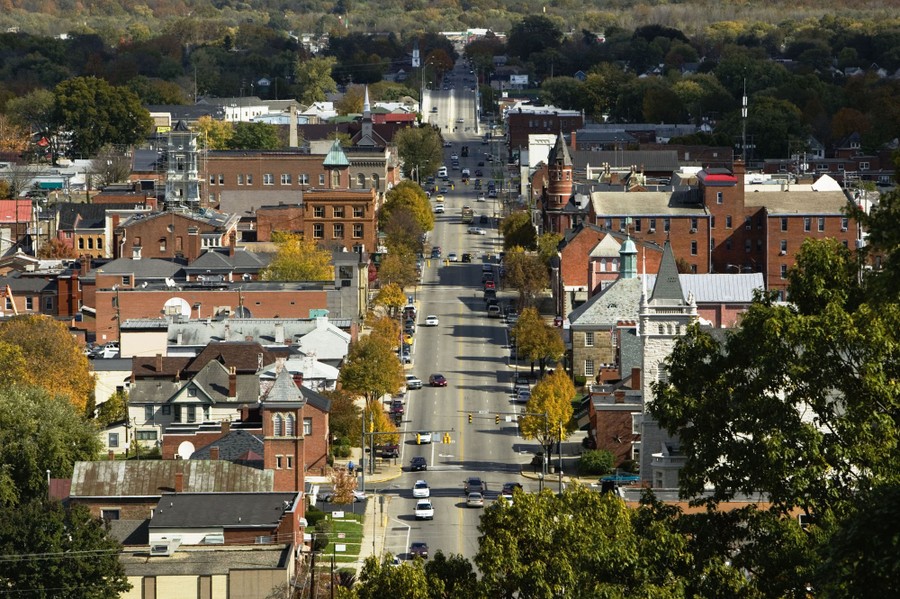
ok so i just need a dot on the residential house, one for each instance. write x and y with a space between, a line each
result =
89 228
231 264
15 224
23 294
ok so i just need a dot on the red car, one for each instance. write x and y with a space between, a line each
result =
489 285
437 380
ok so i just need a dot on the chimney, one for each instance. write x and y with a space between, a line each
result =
298 379
226 427
85 265
232 381
619 397
635 378
179 482
279 333
135 252
232 243
572 142
111 455
214 453
159 363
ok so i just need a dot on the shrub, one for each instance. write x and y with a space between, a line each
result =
341 451
580 380
313 516
596 461
630 466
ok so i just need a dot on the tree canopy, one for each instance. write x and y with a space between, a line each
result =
552 396
298 259
518 231
253 136
408 197
40 351
372 369
314 78
526 273
421 150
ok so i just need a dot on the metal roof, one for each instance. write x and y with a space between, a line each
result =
152 478
647 203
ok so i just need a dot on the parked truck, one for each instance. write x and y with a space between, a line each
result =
468 215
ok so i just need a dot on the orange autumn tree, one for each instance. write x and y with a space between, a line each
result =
38 351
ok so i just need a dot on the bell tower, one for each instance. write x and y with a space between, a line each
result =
281 409
559 186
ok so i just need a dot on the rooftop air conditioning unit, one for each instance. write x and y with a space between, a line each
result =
164 547
651 230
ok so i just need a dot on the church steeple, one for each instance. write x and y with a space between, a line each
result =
628 259
667 288
367 108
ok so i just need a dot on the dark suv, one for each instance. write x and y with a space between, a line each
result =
389 451
474 484
418 463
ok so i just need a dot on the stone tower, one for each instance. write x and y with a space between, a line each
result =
664 317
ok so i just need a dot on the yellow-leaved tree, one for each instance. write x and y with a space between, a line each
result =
38 351
298 259
551 396
391 296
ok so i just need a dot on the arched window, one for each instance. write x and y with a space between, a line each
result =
662 330
277 425
376 181
289 425
361 180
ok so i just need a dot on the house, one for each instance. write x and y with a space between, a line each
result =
22 294
306 370
229 264
15 223
89 228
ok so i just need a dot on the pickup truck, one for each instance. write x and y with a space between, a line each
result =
424 510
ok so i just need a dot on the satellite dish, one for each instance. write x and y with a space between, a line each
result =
185 450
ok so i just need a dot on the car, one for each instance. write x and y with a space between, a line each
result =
391 450
439 197
413 382
479 173
460 121
481 163
492 193
397 406
558 321
493 311
437 380
474 484
509 488
454 157
481 198
436 252
474 500
489 296
490 285
477 231
467 257
447 144
405 357
418 549
452 257
431 320
421 490
523 396
521 383
328 496
423 438
418 464
424 510
439 208
407 339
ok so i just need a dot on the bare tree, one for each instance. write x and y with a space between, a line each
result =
111 165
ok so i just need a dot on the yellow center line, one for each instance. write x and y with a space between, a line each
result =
461 420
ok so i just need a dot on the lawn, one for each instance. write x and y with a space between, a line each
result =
346 531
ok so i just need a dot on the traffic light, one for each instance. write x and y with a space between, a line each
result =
446 438
470 418
497 419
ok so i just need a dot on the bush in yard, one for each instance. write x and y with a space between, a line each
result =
596 461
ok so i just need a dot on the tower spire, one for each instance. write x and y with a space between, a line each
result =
367 108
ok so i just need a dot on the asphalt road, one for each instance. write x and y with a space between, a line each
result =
471 350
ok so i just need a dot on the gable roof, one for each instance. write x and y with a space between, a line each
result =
619 301
234 447
219 261
76 215
647 203
336 156
142 270
225 510
152 478
244 356
284 391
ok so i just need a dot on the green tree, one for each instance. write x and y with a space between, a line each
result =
97 113
403 233
451 577
37 112
518 231
54 551
420 149
298 259
398 268
525 273
253 136
53 359
40 432
534 33
380 579
408 197
313 75
114 409
345 417
372 369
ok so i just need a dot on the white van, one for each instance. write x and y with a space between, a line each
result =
465 172
442 172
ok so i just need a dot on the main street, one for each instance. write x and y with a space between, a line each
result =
471 350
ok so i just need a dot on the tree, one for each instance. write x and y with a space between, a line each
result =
13 137
343 484
391 296
345 417
398 267
36 111
313 75
518 231
56 249
385 328
298 259
451 577
352 100
536 340
110 166
534 33
96 113
253 136
114 409
40 432
403 233
379 579
214 134
59 552
420 149
372 369
408 197
548 246
53 358
525 273
551 396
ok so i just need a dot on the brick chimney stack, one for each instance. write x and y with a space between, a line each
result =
159 363
179 482
635 378
232 381
226 427
214 453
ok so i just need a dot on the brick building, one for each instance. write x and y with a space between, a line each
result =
15 223
174 234
89 228
523 120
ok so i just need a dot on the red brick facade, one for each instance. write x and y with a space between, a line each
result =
170 235
521 124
